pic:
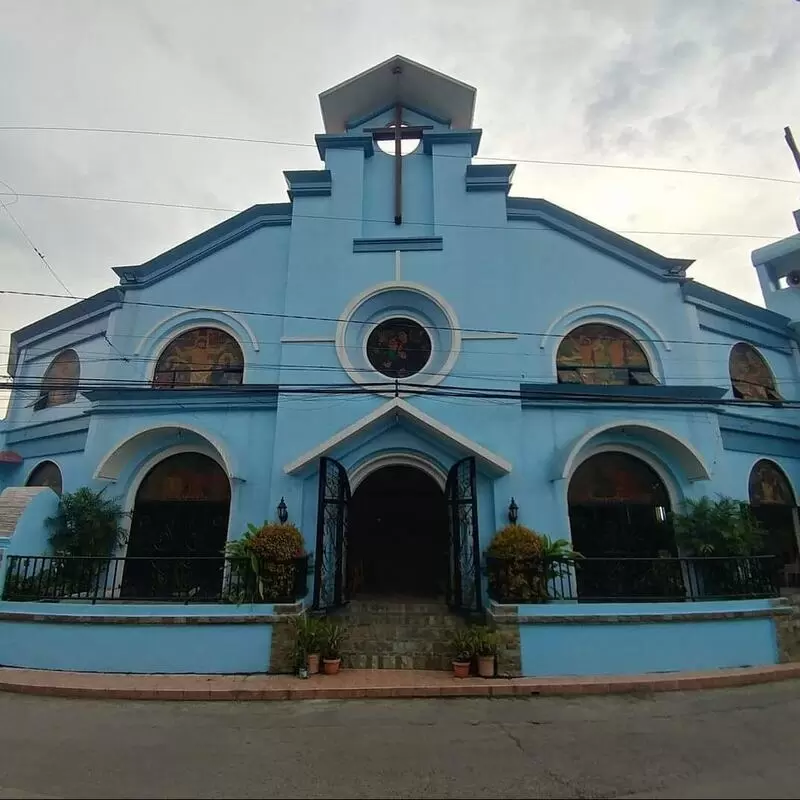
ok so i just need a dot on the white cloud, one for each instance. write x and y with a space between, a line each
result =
707 85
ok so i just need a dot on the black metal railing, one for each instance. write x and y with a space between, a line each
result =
160 579
536 580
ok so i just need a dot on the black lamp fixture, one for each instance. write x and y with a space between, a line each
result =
283 512
513 508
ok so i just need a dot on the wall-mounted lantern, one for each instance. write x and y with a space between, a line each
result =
283 512
513 508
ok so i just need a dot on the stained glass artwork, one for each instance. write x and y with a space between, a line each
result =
46 474
199 358
616 478
769 486
60 381
600 354
398 348
185 477
750 375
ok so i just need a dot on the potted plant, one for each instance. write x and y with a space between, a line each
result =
332 637
461 643
485 646
308 645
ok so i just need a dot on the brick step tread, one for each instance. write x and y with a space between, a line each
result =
398 628
396 662
402 619
397 608
397 624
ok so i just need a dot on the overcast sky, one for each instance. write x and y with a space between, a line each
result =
702 84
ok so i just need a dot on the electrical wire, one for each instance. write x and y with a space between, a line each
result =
311 145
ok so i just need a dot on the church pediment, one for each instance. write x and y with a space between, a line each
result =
402 411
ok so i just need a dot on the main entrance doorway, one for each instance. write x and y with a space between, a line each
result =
398 535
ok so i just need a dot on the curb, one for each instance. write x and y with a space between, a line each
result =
366 684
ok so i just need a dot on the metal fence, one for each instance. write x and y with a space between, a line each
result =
537 580
160 579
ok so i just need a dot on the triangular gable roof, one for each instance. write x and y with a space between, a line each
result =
491 462
590 233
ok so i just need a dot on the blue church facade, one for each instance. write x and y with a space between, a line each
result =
399 322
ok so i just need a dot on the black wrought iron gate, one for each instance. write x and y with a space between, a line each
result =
330 561
464 575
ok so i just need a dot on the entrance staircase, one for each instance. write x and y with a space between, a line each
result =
398 633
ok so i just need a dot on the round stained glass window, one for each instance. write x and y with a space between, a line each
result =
399 348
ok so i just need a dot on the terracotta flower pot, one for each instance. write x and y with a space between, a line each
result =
461 669
313 664
486 666
330 666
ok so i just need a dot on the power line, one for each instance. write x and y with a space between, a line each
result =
411 389
474 226
312 318
310 145
32 245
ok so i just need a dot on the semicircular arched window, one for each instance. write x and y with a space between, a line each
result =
199 358
602 355
46 473
751 377
769 485
60 381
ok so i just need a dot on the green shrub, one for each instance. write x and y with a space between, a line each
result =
520 577
722 527
264 563
86 524
332 635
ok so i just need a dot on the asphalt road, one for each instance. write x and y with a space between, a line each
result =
731 743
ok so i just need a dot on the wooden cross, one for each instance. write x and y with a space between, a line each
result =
397 131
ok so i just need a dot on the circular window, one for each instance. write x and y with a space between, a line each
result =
399 348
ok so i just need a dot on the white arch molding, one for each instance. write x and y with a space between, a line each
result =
640 330
111 465
684 453
397 459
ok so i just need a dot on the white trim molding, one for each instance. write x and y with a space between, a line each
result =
400 408
111 465
684 453
423 378
397 458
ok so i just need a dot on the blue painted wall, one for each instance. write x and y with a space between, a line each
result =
139 648
630 648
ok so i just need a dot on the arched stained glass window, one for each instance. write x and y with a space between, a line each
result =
751 376
769 486
601 354
199 358
617 478
60 382
46 474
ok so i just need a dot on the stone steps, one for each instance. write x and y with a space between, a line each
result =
402 634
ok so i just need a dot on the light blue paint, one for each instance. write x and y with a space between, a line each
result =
280 276
72 609
206 649
629 648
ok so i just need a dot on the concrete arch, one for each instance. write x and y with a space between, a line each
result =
183 321
396 458
683 453
114 462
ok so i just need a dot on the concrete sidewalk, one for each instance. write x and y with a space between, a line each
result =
366 683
